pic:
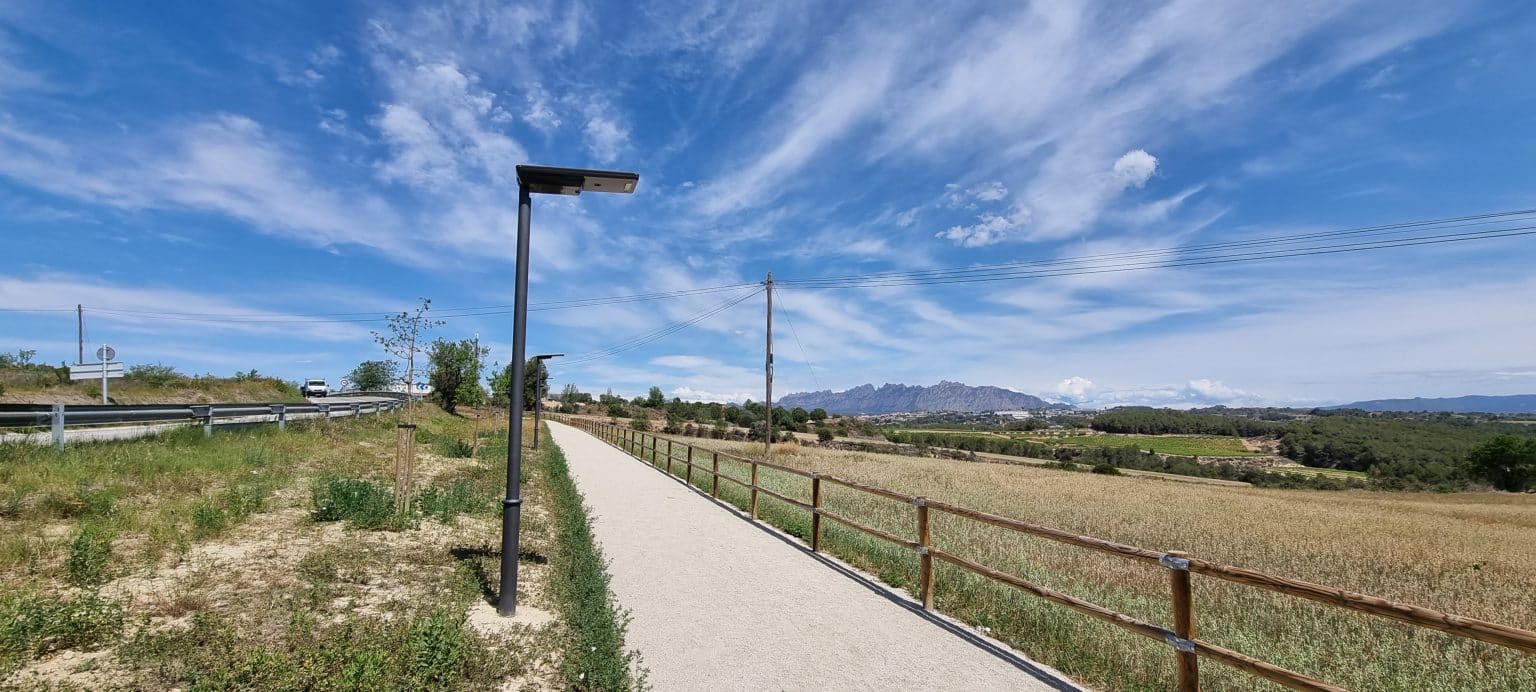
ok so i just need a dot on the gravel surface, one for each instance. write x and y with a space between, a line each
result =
719 602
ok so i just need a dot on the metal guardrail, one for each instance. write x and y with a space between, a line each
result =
59 417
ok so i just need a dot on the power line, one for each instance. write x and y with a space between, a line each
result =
1404 227
989 274
651 337
808 364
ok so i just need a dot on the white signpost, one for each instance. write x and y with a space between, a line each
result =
104 369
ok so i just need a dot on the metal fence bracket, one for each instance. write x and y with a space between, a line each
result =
1179 643
1171 562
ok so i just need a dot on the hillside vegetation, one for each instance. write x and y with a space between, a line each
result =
25 382
1467 554
1398 451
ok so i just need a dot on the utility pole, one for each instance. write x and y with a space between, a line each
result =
768 375
80 331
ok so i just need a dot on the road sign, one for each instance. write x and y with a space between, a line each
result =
92 371
105 353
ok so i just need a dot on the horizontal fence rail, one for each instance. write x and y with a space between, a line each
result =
60 417
662 452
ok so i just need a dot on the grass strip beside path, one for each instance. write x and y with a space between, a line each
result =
595 657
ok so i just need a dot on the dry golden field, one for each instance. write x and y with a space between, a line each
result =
1470 554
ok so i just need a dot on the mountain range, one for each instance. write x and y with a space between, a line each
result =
901 398
1517 403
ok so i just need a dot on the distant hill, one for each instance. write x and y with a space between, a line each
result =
1517 403
900 398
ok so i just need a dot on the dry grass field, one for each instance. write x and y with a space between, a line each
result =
1469 554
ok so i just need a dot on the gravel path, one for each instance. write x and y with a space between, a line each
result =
721 603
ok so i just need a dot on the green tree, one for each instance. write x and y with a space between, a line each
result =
641 420
500 382
571 395
407 330
1507 461
818 414
655 398
455 375
535 382
374 375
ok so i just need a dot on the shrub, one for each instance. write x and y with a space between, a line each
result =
1106 469
362 504
824 434
444 504
89 557
155 375
32 625
453 448
208 519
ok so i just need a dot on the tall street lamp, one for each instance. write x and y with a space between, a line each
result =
548 181
538 394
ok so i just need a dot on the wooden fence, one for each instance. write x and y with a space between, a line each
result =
1187 646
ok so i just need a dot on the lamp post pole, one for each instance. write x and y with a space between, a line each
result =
530 180
538 392
512 506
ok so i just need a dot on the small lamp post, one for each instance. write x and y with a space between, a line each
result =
538 395
546 181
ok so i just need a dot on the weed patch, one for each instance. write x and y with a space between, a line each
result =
90 556
444 503
33 624
362 504
429 649
453 448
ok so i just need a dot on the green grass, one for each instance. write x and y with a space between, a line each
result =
595 654
1178 445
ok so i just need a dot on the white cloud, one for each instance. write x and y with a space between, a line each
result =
691 394
226 163
989 192
124 307
823 107
541 112
1058 96
606 136
1134 168
1075 389
989 229
685 362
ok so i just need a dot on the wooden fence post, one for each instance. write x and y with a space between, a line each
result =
815 512
690 465
925 560
1183 619
669 456
714 486
754 491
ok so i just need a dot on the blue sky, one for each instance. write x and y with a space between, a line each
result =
274 161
